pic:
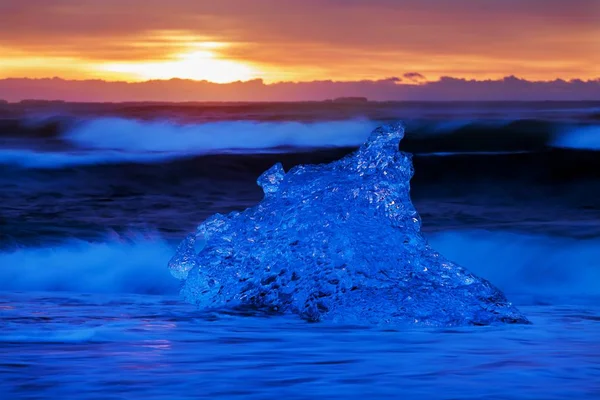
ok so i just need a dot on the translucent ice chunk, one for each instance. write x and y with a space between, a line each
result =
336 242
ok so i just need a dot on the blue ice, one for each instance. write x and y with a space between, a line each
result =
338 242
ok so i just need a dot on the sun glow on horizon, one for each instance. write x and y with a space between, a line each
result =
200 63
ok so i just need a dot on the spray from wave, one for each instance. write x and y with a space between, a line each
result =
26 158
516 263
163 136
114 140
582 138
526 264
134 265
119 140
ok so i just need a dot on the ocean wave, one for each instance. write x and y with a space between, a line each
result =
112 140
26 158
520 264
119 265
118 140
163 136
471 153
158 138
526 264
581 138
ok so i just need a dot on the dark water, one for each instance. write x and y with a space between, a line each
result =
95 197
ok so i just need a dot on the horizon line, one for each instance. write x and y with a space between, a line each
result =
391 79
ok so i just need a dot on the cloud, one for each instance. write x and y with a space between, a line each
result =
446 89
370 39
414 77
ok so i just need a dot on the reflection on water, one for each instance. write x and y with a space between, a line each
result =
95 347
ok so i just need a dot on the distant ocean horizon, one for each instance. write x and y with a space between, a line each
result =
409 87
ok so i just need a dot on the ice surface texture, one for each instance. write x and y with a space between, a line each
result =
337 242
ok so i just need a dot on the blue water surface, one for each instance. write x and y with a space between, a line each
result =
78 346
94 202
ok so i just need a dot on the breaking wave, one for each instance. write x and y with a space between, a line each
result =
119 140
26 158
583 138
135 265
215 137
517 263
57 144
526 264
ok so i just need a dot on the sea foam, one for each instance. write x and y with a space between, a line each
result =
581 138
115 265
524 264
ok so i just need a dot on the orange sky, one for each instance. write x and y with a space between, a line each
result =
299 40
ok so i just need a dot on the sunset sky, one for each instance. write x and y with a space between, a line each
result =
299 40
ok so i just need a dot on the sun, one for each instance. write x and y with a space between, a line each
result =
199 64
